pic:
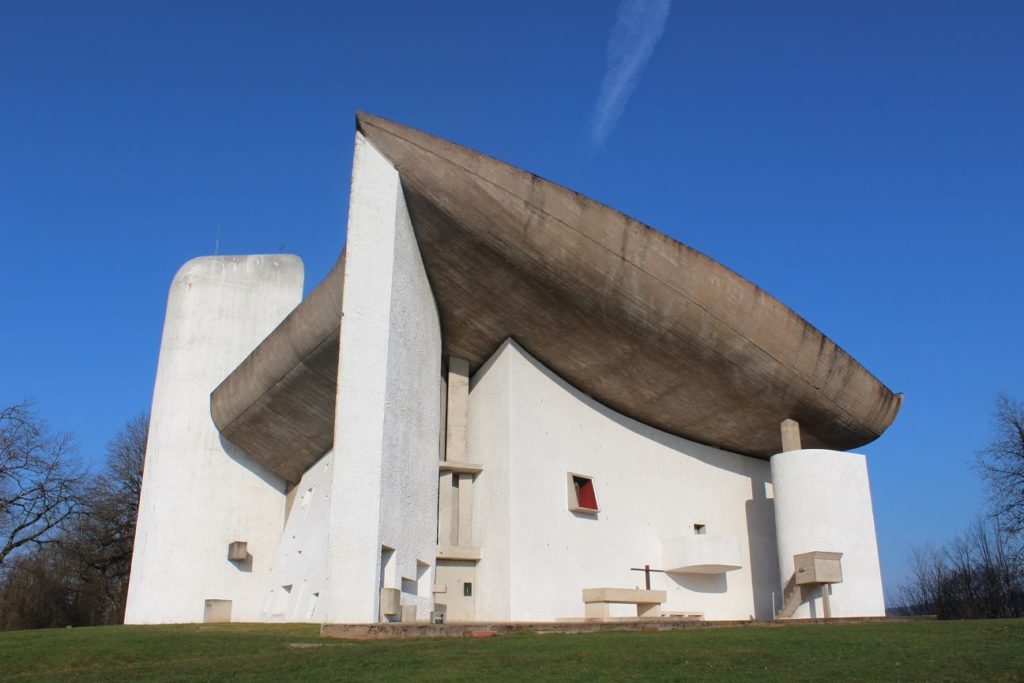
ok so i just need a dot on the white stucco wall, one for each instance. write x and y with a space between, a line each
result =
384 490
529 429
198 492
298 578
488 436
823 502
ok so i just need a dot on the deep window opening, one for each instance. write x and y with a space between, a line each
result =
585 496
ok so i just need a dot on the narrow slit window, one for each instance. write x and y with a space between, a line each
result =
582 496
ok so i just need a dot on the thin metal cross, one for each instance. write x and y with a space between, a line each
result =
646 569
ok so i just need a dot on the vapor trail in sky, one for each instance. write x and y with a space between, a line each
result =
638 27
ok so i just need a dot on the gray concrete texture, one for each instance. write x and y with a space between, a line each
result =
278 405
641 322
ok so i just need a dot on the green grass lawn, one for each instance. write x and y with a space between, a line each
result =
922 650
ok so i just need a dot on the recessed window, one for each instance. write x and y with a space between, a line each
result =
700 529
281 600
424 583
467 589
582 497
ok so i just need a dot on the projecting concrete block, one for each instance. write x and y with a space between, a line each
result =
818 567
389 601
238 551
790 435
624 595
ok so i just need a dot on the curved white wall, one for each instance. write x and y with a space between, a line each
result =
823 502
200 493
529 429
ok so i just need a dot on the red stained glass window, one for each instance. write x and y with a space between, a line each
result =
585 496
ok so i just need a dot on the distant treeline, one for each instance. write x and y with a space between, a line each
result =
977 575
66 535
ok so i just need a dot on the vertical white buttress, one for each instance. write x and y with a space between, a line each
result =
823 502
387 425
199 493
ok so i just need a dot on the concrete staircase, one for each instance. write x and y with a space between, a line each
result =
792 596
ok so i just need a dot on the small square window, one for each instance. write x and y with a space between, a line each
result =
700 529
582 496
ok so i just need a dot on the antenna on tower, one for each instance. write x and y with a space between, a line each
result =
216 244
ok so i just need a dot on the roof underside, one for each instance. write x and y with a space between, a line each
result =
644 324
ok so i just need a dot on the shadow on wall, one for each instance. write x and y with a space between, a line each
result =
249 463
702 583
244 565
763 550
265 475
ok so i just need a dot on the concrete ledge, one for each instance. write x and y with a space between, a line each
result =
458 552
460 467
384 631
623 595
421 630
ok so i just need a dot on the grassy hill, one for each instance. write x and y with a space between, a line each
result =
922 650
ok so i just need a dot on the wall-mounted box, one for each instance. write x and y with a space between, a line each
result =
390 602
238 551
818 567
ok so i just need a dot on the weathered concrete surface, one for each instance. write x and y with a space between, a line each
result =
644 324
278 405
199 493
388 416
388 631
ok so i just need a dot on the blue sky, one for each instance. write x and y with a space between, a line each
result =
862 161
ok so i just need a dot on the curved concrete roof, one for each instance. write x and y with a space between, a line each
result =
643 323
278 404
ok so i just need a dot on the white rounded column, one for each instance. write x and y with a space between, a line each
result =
823 503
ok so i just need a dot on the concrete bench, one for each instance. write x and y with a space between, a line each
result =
596 601
696 616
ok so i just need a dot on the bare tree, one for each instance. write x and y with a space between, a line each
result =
979 574
81 577
39 479
104 536
1001 463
